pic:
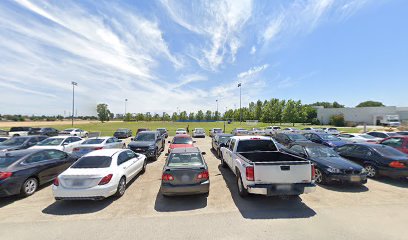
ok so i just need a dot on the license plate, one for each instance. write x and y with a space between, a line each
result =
77 183
283 187
185 178
355 178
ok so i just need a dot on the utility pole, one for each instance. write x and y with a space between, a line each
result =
125 106
240 109
73 101
216 116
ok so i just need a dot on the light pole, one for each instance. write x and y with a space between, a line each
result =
240 110
125 106
73 101
216 116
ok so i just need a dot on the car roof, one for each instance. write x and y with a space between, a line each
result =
182 136
186 150
225 134
64 137
147 132
251 137
105 152
99 138
20 153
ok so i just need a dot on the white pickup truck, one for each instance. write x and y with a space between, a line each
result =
262 168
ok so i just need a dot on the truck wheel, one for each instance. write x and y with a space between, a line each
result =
241 190
223 164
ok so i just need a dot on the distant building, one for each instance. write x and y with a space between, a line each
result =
362 115
119 116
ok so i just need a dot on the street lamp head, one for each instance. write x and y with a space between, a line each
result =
74 83
239 84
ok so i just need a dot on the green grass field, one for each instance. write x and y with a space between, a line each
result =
108 128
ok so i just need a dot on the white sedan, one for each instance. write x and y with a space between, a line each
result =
98 143
98 175
181 131
74 132
198 132
62 143
358 138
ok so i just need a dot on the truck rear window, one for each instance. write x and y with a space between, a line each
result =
256 145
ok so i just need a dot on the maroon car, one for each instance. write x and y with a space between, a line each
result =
400 143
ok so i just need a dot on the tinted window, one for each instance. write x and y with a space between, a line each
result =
93 162
6 161
130 154
389 151
123 157
321 152
93 141
54 154
51 142
329 137
185 159
361 150
393 142
182 140
37 157
345 148
14 141
17 129
256 145
297 137
145 137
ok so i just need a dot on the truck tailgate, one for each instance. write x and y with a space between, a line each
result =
282 172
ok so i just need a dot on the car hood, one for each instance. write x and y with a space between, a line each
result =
141 143
337 162
172 146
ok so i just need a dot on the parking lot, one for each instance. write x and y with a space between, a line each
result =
343 212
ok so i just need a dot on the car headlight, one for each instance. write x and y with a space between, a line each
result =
333 170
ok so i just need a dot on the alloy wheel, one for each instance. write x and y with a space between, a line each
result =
318 176
122 186
30 186
371 171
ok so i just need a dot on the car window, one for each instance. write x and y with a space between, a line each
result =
232 145
393 142
185 159
54 154
75 139
123 157
110 140
362 151
93 162
130 154
297 149
68 140
37 157
32 141
345 149
94 141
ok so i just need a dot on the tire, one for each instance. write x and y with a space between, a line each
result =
241 190
372 171
121 187
155 155
16 135
29 187
86 135
223 164
319 176
144 166
219 153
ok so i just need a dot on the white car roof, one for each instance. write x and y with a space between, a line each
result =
99 138
64 137
251 137
105 152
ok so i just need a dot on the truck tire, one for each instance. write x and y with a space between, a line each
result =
223 164
241 190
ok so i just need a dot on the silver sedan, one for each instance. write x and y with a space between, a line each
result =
97 143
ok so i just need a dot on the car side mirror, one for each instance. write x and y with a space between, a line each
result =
203 153
194 141
303 155
168 142
131 139
166 154
64 144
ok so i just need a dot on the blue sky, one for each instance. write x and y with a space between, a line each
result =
164 55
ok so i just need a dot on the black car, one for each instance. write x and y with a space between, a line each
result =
377 159
123 133
324 139
23 171
329 165
163 131
218 141
50 132
142 130
18 143
149 143
185 172
287 139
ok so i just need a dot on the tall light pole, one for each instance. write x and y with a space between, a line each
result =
216 116
73 101
125 106
240 109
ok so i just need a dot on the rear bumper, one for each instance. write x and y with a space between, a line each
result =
362 179
190 189
95 193
198 135
281 189
393 173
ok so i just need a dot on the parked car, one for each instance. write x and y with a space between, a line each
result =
333 131
256 131
185 173
181 141
261 168
324 139
383 134
18 143
19 131
181 131
149 143
23 171
50 132
239 132
309 129
141 130
97 143
3 132
218 141
287 139
215 131
271 130
198 132
377 159
358 138
329 165
163 131
62 143
123 133
399 143
2 139
403 133
98 175
291 129
74 132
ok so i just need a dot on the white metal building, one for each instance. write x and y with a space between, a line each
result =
367 115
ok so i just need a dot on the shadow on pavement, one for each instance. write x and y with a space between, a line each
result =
214 152
4 201
351 188
179 203
402 183
262 207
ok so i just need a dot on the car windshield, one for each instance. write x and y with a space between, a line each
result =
329 137
93 162
51 142
180 129
6 161
121 130
387 151
224 139
321 152
185 159
182 140
199 130
145 137
69 129
366 136
256 145
14 141
94 141
297 137
217 130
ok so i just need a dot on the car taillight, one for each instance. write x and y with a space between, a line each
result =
203 175
396 164
98 148
75 149
4 175
106 179
313 172
250 175
56 182
167 177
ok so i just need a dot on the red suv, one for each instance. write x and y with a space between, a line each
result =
181 141
400 143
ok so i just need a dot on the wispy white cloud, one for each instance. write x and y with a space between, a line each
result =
187 79
253 50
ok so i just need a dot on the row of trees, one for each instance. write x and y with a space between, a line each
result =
22 118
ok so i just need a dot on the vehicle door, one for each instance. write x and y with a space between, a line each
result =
136 161
61 159
110 143
31 142
230 153
159 142
42 166
362 154
214 142
124 164
225 150
70 143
